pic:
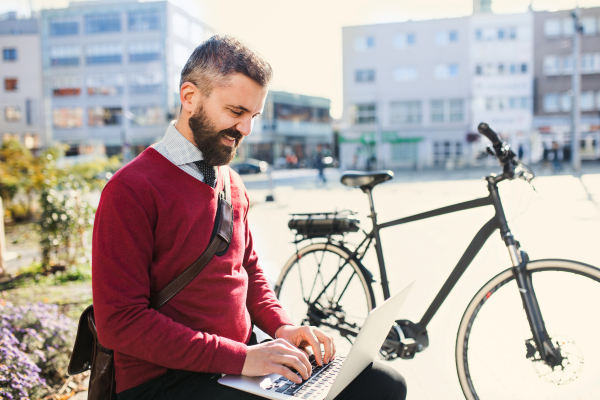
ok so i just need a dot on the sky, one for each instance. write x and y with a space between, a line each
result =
302 40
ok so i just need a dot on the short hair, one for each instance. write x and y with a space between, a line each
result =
214 61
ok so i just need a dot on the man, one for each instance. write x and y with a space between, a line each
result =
156 217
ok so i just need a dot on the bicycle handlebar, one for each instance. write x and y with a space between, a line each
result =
486 131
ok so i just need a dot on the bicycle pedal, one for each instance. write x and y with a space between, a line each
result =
408 348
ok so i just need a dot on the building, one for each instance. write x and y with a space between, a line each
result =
21 102
553 70
290 130
501 59
111 71
407 94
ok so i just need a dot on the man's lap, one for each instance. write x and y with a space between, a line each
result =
377 381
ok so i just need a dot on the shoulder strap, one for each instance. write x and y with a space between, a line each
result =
219 243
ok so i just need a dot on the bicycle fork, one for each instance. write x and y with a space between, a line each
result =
548 352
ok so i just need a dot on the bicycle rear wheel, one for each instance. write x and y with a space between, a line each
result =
322 286
496 357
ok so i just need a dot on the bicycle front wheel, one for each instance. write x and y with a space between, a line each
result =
496 356
321 285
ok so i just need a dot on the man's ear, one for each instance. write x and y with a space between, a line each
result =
188 94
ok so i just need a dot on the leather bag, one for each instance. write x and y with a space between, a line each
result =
89 354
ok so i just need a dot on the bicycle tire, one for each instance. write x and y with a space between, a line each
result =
507 372
305 266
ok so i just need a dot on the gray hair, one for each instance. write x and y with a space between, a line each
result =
214 61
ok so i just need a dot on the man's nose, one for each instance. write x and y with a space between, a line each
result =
245 125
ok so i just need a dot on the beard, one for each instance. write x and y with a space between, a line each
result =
208 139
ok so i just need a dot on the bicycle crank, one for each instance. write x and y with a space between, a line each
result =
405 339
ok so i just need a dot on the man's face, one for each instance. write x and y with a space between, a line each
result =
222 120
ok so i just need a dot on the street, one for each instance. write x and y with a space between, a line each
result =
560 220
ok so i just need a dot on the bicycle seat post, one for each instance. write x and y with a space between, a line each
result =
378 249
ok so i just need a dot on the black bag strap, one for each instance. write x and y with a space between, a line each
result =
218 244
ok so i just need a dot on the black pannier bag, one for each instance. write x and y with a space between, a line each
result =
313 225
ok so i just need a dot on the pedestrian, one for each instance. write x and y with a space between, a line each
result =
556 153
156 216
320 165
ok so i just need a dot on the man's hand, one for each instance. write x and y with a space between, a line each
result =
304 336
274 358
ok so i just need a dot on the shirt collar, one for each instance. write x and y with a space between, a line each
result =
181 150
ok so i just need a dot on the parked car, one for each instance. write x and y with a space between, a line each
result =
250 166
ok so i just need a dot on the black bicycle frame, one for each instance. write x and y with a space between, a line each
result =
546 349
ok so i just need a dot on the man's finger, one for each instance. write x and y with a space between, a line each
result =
286 372
293 362
313 341
328 345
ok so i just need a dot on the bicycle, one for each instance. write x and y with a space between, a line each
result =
325 284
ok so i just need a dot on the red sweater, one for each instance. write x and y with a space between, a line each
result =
154 220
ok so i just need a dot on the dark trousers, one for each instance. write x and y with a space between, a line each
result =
377 382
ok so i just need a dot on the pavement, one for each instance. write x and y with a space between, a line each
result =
559 219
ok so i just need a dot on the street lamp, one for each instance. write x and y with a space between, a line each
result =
576 87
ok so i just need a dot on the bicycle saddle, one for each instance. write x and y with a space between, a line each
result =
365 180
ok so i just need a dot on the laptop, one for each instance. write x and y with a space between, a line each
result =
328 381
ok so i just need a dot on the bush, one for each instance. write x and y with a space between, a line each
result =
35 350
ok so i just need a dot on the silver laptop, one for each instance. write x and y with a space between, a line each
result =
328 381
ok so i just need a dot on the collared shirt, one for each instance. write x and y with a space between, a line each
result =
181 152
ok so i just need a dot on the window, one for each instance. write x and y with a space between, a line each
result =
453 36
524 102
568 26
568 64
552 65
404 74
143 20
441 38
437 111
403 40
102 23
512 33
489 103
64 26
478 69
31 141
458 149
456 110
147 50
501 33
104 116
500 69
551 102
145 83
478 34
181 26
523 68
12 114
364 43
67 117
364 75
552 27
513 69
104 84
565 102
145 116
196 32
589 25
365 113
446 71
181 54
590 63
9 54
64 56
103 53
587 101
405 112
65 86
513 103
11 84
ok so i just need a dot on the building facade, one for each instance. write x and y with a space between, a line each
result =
501 58
553 70
111 72
291 130
21 102
406 94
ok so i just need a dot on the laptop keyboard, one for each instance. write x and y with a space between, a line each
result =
320 380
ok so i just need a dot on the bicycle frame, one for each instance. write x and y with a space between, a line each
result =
519 260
